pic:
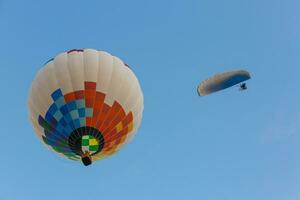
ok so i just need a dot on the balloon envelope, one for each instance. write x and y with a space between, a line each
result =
222 81
85 104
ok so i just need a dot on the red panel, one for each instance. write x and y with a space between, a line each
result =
79 94
96 112
89 102
101 117
100 96
69 97
88 121
89 94
99 101
89 85
107 137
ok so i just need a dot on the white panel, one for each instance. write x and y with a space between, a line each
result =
76 70
134 93
137 107
115 81
105 70
90 59
62 74
126 85
41 89
48 79
38 99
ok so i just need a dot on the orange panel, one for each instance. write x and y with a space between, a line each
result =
69 97
111 114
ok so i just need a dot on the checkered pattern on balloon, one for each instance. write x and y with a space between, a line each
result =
81 122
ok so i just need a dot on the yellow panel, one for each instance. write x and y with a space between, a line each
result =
119 127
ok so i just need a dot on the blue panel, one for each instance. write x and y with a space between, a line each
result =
71 124
68 118
48 133
50 119
72 106
52 109
76 123
64 149
63 122
81 112
52 135
59 136
65 133
60 128
49 142
56 94
68 129
64 109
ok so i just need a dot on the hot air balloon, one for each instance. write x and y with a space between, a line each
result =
85 104
223 81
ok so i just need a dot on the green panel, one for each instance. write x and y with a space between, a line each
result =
94 148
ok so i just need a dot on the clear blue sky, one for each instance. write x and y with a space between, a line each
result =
227 146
